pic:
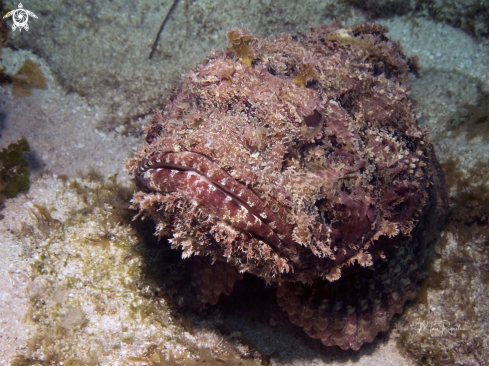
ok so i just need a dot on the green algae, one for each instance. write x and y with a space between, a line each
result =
14 170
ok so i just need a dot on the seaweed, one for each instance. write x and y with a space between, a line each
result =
239 41
27 77
14 173
305 74
4 29
469 213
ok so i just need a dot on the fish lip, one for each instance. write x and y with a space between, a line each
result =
164 160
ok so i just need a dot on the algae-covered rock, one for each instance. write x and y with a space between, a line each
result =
383 8
448 323
91 298
470 15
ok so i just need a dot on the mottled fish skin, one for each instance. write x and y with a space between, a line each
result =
299 161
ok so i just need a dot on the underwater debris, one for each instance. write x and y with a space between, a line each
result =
167 17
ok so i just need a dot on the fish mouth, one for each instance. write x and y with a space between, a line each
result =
201 182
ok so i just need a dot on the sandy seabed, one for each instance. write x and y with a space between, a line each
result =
71 287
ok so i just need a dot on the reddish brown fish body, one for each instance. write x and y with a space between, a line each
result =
307 169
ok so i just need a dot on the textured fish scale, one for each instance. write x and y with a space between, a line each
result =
364 309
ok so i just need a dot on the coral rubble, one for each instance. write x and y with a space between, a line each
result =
299 161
